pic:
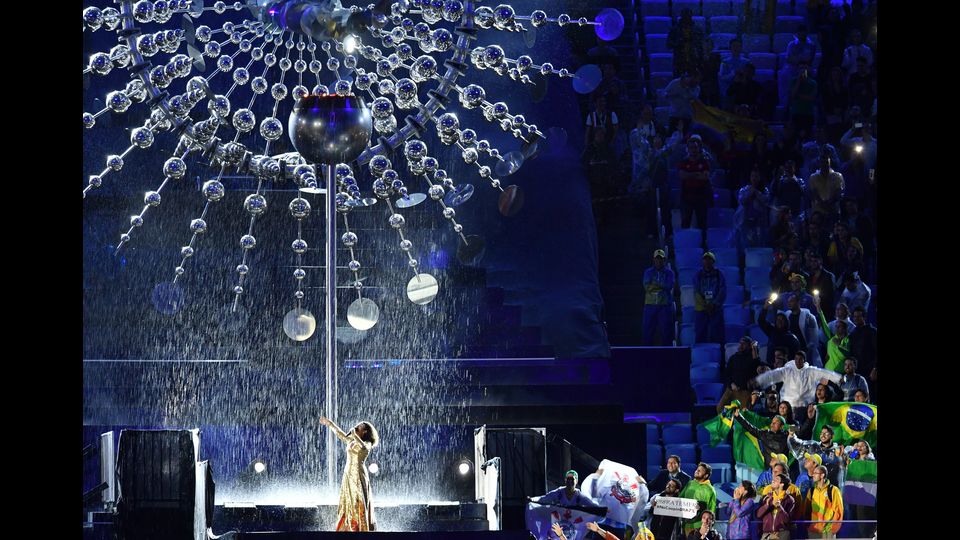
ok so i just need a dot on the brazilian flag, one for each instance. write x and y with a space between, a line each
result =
746 447
849 421
719 426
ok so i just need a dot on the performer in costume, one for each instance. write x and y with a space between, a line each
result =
355 511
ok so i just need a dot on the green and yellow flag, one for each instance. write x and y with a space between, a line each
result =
746 447
849 421
719 426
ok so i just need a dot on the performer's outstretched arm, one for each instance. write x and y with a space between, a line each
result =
336 429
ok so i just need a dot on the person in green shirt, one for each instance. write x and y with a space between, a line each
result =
701 490
838 345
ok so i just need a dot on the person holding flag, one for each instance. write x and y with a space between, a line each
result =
565 507
773 440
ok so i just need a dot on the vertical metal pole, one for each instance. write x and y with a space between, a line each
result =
330 324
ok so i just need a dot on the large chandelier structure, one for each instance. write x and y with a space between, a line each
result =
369 85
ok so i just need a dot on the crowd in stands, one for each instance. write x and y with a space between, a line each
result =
793 157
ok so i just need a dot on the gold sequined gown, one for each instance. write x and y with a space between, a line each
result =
355 512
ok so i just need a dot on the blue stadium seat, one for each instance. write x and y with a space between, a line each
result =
704 374
721 237
689 257
688 467
724 24
656 43
661 62
760 293
731 274
721 453
687 452
720 217
765 75
703 436
780 42
757 334
708 393
686 276
687 297
716 8
734 294
657 25
688 335
680 5
736 315
705 354
658 8
787 24
677 434
720 472
756 277
721 40
729 349
687 238
758 257
785 8
764 60
653 434
733 332
687 314
652 471
756 43
655 455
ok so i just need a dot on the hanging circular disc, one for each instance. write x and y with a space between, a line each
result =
197 57
611 24
530 37
410 200
167 297
511 201
471 252
587 78
196 8
189 31
361 203
529 148
422 289
458 195
299 324
363 314
313 190
511 163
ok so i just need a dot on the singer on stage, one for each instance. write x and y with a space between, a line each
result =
355 511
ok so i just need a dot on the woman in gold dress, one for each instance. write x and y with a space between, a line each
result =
355 512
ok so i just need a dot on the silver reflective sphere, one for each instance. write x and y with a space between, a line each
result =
255 204
213 190
244 120
299 208
349 239
330 128
247 241
198 226
151 198
174 168
141 137
271 129
115 162
299 246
